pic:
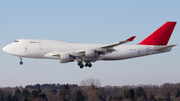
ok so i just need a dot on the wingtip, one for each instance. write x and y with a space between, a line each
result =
131 38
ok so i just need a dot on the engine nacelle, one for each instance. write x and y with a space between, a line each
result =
91 53
65 58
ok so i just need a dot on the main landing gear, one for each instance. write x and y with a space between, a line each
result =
88 64
21 63
81 65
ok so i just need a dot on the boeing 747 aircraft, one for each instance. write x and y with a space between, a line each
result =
87 53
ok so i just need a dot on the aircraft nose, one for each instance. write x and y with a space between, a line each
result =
6 49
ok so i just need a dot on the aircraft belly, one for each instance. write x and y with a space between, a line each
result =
119 56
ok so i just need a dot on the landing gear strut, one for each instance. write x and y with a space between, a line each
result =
21 63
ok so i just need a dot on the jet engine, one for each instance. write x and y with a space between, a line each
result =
91 53
65 58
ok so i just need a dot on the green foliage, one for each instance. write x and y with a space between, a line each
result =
42 95
78 96
48 86
33 94
125 95
1 95
39 91
25 99
115 98
25 93
17 95
130 94
167 97
140 92
159 99
65 93
15 98
17 92
90 93
151 97
110 98
53 91
9 98
177 93
37 86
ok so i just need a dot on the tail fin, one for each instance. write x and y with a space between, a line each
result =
160 36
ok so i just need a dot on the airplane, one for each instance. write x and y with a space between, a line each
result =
88 53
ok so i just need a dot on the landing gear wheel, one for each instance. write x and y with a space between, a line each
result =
80 64
21 63
88 64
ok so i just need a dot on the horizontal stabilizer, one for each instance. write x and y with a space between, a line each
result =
162 48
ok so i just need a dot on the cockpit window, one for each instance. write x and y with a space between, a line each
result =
16 41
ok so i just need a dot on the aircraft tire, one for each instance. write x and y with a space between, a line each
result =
81 66
90 65
21 63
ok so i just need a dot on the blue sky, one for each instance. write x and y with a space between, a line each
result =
92 21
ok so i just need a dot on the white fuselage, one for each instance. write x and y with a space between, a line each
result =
31 48
87 53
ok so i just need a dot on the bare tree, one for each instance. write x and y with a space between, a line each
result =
167 88
91 82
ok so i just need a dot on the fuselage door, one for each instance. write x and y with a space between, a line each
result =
26 47
40 48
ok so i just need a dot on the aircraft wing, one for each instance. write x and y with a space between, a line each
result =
118 43
101 50
106 48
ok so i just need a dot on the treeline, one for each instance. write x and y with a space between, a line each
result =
92 92
47 86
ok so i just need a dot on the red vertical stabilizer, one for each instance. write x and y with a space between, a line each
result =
160 36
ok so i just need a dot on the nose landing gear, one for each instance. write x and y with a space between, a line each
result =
21 63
